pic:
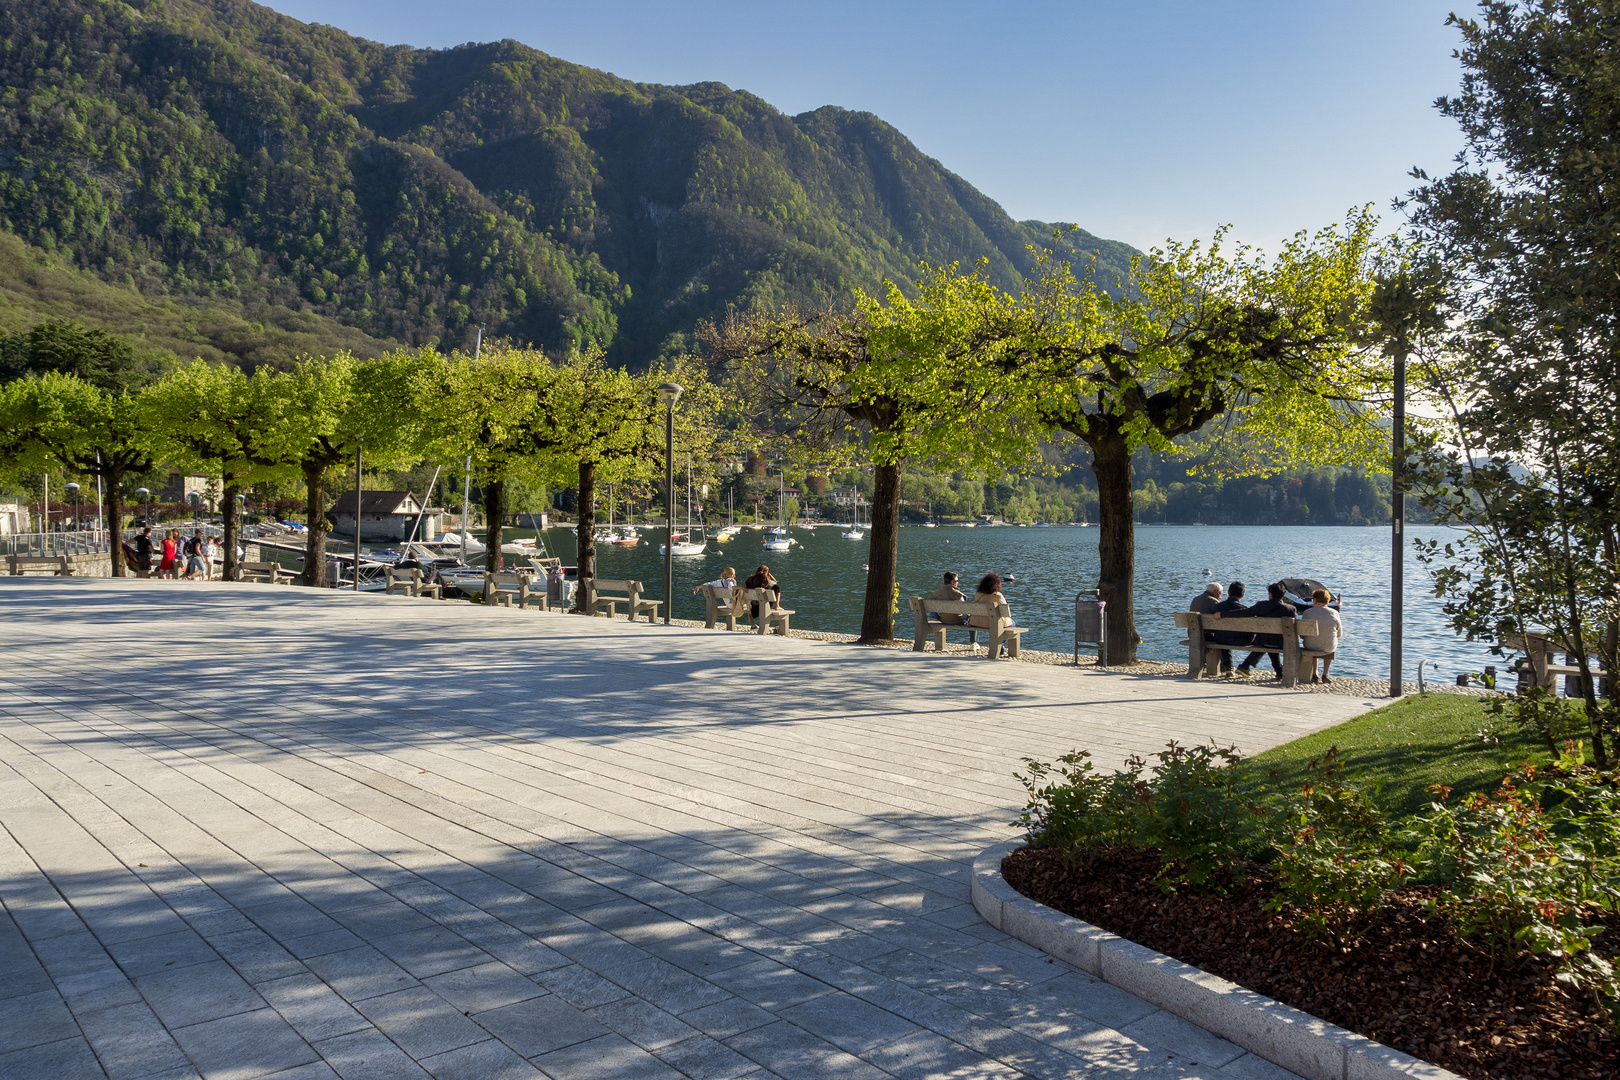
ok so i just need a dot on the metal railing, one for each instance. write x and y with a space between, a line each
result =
52 544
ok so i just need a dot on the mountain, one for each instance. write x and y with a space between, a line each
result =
216 152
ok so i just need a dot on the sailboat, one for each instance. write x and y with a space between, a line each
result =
855 532
930 523
730 528
681 542
777 539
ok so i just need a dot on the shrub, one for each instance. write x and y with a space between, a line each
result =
1509 877
1333 858
1193 815
1073 808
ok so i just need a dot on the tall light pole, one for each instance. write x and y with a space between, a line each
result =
668 394
1397 504
146 497
357 482
73 493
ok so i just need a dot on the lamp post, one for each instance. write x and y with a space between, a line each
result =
73 493
668 394
146 497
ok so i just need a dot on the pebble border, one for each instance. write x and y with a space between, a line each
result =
1282 1035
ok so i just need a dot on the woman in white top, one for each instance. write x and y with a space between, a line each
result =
989 592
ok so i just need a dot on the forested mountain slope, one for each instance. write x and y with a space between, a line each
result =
216 149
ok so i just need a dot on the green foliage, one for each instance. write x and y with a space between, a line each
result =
219 150
1333 855
97 357
1074 808
1194 817
1510 877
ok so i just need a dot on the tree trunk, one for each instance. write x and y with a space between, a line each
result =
883 555
587 520
1116 543
115 518
493 512
229 540
315 522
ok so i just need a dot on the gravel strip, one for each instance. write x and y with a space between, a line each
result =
1344 686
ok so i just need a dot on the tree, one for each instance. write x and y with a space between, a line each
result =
229 424
99 358
85 428
914 380
1528 225
500 410
333 407
1273 350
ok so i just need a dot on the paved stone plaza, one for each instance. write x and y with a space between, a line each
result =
254 831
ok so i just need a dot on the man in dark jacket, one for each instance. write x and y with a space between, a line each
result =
143 553
1273 607
1231 608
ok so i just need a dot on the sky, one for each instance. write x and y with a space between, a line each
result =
1139 120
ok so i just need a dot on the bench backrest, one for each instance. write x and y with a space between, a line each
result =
1192 619
412 573
983 608
516 581
763 597
602 585
260 567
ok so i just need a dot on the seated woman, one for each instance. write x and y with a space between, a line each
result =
762 579
989 592
726 580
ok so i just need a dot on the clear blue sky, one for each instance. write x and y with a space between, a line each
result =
1139 120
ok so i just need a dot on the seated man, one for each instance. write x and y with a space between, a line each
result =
949 591
1205 603
1232 608
1273 607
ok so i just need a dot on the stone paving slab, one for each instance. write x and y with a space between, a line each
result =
252 831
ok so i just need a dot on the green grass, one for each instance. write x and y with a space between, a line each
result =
1407 746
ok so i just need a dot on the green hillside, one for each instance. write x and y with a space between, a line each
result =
214 156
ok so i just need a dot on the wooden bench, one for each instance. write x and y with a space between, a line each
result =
1204 657
596 603
999 630
768 615
57 565
719 603
1539 648
269 572
508 589
411 582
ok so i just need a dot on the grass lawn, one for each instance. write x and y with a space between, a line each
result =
1407 746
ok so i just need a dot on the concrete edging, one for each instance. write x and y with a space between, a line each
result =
1282 1035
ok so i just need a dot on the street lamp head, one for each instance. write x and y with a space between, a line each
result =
72 487
143 491
668 394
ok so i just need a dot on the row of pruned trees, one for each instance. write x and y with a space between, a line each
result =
517 414
1278 361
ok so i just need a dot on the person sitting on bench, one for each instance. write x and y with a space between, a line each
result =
762 579
1205 603
949 591
1329 629
726 580
1231 608
989 592
1273 607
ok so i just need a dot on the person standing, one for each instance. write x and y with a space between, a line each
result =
169 567
1274 606
1325 641
143 553
196 568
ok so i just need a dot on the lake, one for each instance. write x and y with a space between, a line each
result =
823 580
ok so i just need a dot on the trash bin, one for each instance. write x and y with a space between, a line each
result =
1090 625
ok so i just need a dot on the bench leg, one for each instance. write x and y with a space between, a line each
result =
939 640
782 627
1212 662
1012 646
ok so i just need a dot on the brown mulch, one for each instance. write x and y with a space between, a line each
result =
1410 983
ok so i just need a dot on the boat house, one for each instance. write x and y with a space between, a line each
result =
385 516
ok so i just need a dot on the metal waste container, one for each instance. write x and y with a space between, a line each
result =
1090 625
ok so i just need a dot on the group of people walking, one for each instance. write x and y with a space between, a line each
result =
174 555
1318 646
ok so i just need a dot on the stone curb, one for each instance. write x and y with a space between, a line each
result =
1282 1035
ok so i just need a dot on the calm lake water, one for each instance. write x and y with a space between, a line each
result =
823 580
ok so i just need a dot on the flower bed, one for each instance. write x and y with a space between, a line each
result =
1474 935
1410 982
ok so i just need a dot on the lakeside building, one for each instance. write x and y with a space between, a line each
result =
386 516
